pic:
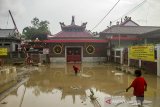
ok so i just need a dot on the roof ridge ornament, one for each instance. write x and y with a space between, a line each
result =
73 22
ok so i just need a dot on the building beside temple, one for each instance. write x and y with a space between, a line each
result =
127 33
10 43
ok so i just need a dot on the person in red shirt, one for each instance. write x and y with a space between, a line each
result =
76 69
139 84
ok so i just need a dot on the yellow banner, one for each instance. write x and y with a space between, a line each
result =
3 51
145 53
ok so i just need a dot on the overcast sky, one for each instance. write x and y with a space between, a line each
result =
91 11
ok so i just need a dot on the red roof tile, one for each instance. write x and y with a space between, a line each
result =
75 41
65 34
124 38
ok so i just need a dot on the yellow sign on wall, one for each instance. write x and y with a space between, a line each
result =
145 52
3 51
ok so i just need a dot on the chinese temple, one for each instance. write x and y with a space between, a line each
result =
73 44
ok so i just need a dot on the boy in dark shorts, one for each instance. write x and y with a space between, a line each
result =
139 84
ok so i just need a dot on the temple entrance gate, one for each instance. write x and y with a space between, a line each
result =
73 54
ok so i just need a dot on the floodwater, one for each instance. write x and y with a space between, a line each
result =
56 85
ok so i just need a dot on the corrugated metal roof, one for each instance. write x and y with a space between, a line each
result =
7 32
131 30
124 38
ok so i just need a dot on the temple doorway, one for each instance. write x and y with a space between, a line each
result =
74 54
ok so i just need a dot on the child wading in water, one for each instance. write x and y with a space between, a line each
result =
139 84
76 69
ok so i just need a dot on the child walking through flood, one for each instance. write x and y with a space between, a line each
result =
76 69
139 84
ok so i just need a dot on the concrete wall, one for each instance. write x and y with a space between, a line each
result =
57 59
93 59
125 43
84 59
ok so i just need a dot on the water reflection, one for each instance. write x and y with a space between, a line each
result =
56 85
8 77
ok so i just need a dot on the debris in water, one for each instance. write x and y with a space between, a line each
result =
75 87
4 102
118 74
84 75
112 71
92 97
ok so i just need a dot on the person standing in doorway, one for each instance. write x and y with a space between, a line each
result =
76 69
140 85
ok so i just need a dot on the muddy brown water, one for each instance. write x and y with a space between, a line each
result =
56 85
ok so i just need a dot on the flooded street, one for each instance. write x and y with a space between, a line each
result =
56 85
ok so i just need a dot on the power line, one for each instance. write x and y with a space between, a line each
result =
132 10
105 15
7 21
147 13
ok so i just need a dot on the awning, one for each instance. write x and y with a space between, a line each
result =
76 41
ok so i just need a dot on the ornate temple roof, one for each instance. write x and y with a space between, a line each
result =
73 27
67 34
72 31
76 41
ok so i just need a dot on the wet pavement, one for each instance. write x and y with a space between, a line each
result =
56 85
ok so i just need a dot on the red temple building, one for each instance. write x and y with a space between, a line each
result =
73 44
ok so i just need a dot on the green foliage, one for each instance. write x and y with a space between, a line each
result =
37 28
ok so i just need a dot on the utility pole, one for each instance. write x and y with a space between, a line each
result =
15 26
16 31
119 37
119 40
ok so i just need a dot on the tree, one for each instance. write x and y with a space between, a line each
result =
37 29
35 22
